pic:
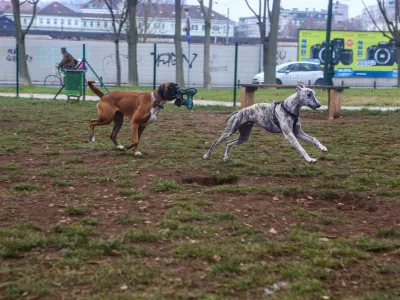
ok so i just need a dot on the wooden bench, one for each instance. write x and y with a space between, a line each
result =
335 93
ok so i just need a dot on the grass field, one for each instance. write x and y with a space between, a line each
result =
351 97
86 221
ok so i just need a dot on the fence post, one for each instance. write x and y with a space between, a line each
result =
235 75
154 66
17 71
84 71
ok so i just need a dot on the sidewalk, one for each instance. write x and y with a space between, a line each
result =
195 102
95 98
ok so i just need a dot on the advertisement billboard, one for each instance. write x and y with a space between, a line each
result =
355 53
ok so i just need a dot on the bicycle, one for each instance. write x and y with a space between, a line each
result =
55 79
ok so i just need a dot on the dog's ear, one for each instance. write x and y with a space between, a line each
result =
161 90
300 85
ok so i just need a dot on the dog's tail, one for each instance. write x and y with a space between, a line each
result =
232 114
94 88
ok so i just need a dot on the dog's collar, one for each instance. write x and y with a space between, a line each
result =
295 117
157 103
288 112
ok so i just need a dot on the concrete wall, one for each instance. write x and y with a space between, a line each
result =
43 55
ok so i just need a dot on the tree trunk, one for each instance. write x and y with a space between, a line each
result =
23 64
118 62
266 63
206 62
207 33
270 46
20 37
132 39
178 45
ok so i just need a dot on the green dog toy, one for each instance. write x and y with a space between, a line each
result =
188 101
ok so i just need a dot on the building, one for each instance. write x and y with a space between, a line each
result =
6 23
248 27
93 20
340 12
374 12
291 20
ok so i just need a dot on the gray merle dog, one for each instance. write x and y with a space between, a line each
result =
277 117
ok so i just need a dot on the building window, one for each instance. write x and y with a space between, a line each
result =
91 23
55 22
41 21
69 22
48 21
162 26
76 22
203 27
62 21
156 25
98 24
172 26
105 24
25 21
84 23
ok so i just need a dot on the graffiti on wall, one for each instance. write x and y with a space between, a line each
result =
280 54
51 56
214 67
11 55
48 56
169 59
285 55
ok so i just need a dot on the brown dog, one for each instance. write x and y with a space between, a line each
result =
140 108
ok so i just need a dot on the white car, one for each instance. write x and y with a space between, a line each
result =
292 72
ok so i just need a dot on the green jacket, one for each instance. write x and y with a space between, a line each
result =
67 62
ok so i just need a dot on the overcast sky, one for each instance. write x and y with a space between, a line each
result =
238 8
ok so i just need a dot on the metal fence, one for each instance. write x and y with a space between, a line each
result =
228 64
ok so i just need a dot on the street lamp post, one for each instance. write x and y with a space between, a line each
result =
227 27
328 67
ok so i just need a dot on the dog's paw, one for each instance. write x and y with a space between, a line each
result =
91 138
323 148
312 160
226 158
205 156
138 153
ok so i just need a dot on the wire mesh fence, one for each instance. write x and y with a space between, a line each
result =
156 63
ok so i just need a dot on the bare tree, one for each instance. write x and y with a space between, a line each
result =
151 17
118 21
392 21
178 44
132 38
20 37
270 41
207 33
145 27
